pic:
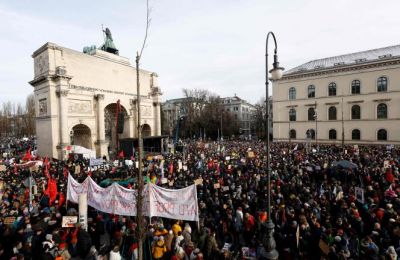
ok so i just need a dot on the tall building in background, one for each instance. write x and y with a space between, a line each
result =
354 97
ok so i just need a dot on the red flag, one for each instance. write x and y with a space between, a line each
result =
27 156
46 161
52 190
61 199
65 172
121 154
171 168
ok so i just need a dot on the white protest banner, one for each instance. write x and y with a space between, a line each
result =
174 204
69 221
116 199
96 162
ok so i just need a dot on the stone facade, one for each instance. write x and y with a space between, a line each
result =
76 93
356 98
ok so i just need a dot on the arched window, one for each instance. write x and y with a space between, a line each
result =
381 111
310 134
382 135
311 114
355 87
292 93
382 84
332 134
332 89
355 134
292 114
355 112
292 134
311 91
332 113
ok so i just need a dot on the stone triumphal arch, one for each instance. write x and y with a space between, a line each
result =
76 100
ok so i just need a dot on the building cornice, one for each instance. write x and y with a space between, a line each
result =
340 69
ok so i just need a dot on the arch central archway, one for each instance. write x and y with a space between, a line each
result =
146 130
82 136
110 124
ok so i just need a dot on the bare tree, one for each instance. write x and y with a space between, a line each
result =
29 118
141 230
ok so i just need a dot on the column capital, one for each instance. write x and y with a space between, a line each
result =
99 97
62 93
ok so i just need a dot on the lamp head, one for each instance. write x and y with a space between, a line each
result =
276 72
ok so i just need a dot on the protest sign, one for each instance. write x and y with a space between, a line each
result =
386 164
164 180
225 188
250 154
9 220
324 247
217 185
198 181
3 168
185 167
69 221
96 162
359 192
77 169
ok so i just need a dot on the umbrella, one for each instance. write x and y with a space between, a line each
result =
345 164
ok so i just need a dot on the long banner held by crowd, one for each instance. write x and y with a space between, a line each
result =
157 201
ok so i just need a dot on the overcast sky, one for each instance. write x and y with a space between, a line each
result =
217 45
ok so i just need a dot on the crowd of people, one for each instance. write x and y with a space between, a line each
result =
326 203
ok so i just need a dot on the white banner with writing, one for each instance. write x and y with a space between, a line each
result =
174 204
157 201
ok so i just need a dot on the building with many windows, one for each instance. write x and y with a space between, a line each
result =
242 111
353 97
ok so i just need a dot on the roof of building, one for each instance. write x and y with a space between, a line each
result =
348 59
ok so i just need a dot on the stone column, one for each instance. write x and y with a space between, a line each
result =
157 118
65 138
63 121
101 135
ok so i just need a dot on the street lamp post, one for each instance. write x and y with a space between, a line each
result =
316 126
276 73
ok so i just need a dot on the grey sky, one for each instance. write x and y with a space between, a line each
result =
217 45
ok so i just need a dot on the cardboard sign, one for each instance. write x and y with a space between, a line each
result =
386 164
9 220
250 154
69 221
198 181
77 169
324 247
